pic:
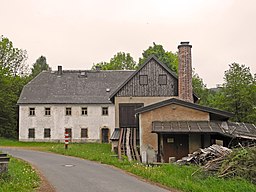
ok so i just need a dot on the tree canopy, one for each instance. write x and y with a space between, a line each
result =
12 60
120 61
13 77
238 94
39 65
167 57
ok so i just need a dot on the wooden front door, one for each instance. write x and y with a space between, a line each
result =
175 146
104 135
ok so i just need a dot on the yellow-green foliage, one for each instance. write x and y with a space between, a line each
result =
20 178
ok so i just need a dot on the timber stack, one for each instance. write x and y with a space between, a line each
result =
206 156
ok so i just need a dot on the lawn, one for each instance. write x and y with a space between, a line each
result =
21 177
170 175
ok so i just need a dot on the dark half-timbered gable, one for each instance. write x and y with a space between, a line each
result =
153 79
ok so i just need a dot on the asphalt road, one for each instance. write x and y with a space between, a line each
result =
69 174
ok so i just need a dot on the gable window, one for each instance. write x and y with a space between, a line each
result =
47 111
68 111
104 110
162 79
143 79
31 133
32 111
84 133
47 133
84 111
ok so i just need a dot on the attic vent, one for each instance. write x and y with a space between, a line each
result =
107 90
83 74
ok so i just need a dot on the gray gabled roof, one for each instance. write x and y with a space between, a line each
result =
215 114
73 86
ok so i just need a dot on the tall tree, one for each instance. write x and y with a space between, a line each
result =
166 57
40 65
120 61
238 94
12 79
12 60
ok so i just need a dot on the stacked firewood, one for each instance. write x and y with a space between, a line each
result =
211 157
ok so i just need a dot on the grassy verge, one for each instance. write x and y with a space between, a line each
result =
21 177
174 176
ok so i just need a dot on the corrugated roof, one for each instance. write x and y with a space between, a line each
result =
116 134
231 129
74 87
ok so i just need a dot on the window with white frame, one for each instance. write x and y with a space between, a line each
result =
47 111
47 133
84 111
31 133
105 111
84 132
68 111
32 111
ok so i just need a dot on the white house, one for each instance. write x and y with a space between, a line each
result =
73 101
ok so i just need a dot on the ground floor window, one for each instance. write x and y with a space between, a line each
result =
31 133
47 133
84 133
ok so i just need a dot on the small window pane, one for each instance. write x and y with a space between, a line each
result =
68 111
47 133
31 133
143 79
84 133
84 110
47 111
31 111
104 110
162 79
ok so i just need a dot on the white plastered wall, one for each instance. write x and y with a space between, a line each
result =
58 121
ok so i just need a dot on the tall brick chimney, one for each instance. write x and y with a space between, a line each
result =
185 72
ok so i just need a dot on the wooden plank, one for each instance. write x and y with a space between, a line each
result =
128 149
120 143
135 146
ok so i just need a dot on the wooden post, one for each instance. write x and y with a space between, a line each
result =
120 143
128 148
135 146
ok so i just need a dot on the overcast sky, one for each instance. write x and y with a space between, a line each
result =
78 33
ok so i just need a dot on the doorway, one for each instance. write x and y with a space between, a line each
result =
105 135
175 146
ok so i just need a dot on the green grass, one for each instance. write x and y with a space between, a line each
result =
173 176
20 177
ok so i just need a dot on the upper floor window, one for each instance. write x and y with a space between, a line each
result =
104 110
84 111
68 111
31 133
84 133
162 79
32 111
47 111
143 79
47 133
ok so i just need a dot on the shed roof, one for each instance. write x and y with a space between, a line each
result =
214 113
73 86
231 129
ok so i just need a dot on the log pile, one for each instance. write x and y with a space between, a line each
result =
211 157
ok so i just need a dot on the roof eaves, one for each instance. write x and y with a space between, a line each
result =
183 103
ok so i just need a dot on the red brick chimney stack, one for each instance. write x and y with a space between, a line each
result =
185 72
